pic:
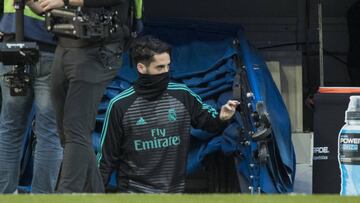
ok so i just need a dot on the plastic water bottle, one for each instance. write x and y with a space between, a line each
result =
349 149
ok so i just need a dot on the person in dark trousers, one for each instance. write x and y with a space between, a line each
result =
16 110
81 71
353 20
146 131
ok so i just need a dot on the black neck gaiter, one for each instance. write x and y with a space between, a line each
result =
150 87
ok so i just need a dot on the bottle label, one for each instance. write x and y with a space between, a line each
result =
349 148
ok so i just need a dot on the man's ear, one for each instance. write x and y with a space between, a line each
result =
141 68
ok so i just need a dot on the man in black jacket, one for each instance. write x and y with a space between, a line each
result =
82 69
146 131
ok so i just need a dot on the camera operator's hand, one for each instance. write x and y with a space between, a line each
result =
51 4
35 7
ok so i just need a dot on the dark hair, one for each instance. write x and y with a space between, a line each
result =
144 48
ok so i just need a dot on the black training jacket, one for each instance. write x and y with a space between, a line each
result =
147 142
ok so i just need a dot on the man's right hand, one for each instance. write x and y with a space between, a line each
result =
228 110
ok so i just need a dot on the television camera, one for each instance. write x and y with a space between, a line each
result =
20 56
73 23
